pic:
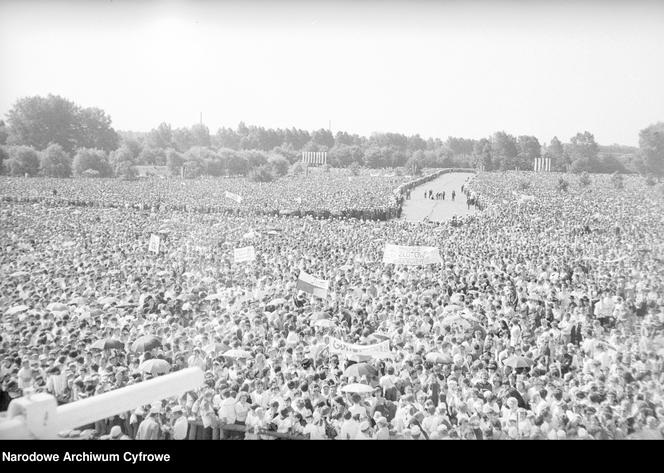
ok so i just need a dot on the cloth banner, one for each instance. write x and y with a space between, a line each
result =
312 285
339 347
155 242
241 255
411 255
235 197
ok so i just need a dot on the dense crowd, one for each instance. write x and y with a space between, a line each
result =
544 321
320 194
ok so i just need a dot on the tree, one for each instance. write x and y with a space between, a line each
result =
4 133
583 152
183 139
23 160
160 137
254 158
296 169
651 145
482 154
174 161
126 170
237 164
200 135
279 164
39 121
91 159
4 156
584 180
354 169
152 157
55 162
504 150
323 137
529 149
374 158
121 158
415 163
261 173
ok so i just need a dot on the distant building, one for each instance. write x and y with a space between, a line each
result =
152 171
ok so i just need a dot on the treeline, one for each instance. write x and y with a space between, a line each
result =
55 137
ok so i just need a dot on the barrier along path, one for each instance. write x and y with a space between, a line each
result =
422 205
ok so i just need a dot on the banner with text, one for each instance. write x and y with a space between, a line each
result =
235 197
155 242
242 255
312 285
378 350
411 255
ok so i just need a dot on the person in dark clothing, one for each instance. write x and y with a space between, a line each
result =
453 195
443 195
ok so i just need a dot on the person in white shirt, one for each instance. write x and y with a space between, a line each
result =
315 429
350 427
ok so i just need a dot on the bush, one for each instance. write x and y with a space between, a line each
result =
617 180
562 185
584 180
279 164
650 180
90 173
354 169
524 185
23 160
261 174
297 168
400 172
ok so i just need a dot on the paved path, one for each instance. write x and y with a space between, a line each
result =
418 208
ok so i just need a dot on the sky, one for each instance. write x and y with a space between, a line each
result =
439 69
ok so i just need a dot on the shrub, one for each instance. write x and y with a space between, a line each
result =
584 180
524 185
279 164
261 174
90 173
562 185
617 180
354 169
650 180
297 168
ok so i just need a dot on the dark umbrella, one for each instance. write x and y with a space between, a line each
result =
360 369
518 362
108 344
146 343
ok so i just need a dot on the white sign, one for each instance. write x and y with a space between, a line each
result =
241 255
155 242
411 255
235 197
312 285
377 350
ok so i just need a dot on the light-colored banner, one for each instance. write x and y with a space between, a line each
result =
242 255
411 255
379 350
312 285
235 197
155 242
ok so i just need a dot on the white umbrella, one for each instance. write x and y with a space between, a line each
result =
235 353
277 301
17 309
155 366
19 274
56 306
357 388
108 300
325 323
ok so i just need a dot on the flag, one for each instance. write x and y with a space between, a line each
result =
312 285
235 197
154 243
241 255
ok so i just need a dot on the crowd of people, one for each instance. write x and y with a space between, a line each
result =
544 321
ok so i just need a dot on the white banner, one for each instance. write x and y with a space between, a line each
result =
312 285
241 255
235 197
378 350
155 242
411 255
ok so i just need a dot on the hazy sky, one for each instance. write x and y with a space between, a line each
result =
460 68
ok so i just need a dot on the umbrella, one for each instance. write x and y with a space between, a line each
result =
359 357
145 343
325 323
357 388
277 301
108 300
518 362
358 370
215 348
235 353
78 301
320 316
437 357
56 306
17 309
19 274
456 320
155 366
108 344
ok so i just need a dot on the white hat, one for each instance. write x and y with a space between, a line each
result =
116 431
